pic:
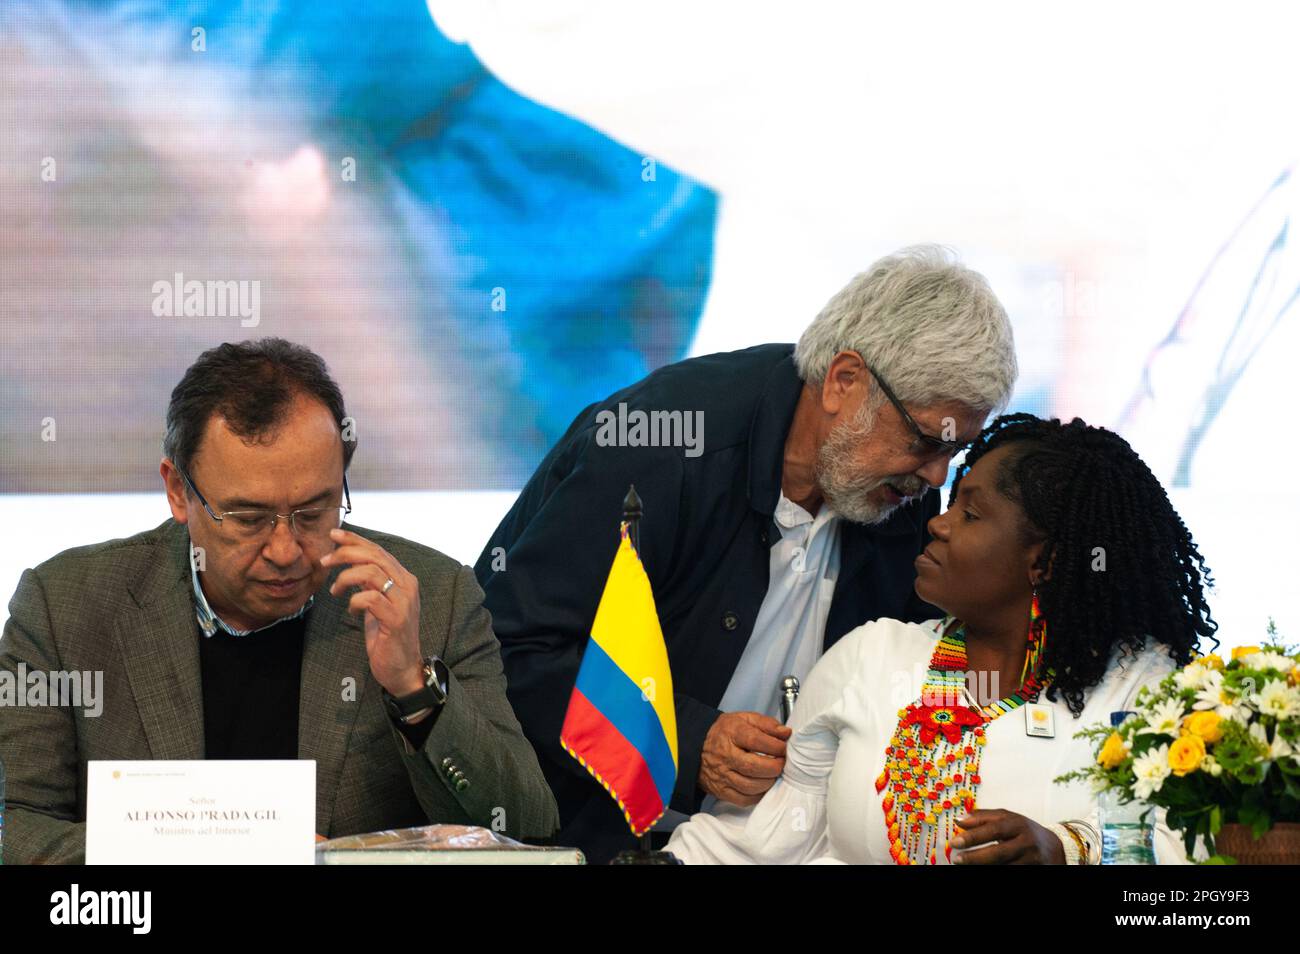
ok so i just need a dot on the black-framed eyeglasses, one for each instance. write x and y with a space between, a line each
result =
306 522
922 443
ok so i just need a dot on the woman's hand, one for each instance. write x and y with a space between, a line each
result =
1020 840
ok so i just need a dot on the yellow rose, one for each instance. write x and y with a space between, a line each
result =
1294 676
1112 753
1211 661
1240 651
1204 725
1186 754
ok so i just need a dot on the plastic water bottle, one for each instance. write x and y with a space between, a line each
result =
1126 837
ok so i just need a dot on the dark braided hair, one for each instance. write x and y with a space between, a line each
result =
1082 488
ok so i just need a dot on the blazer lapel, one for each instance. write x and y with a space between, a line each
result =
334 650
158 639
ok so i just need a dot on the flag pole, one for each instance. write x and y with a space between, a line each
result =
632 511
645 855
632 517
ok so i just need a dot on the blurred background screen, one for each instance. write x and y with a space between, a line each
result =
485 215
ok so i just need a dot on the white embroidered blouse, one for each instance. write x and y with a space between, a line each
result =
825 809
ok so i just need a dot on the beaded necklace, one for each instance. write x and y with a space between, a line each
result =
932 761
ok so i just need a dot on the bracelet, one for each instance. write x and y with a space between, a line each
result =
415 717
1075 851
1090 837
1083 848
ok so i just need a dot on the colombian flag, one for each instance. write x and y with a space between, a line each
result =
621 724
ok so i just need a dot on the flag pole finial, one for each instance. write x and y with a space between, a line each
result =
632 504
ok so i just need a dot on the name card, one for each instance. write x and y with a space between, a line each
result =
200 812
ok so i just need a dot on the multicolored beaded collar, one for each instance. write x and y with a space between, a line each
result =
932 761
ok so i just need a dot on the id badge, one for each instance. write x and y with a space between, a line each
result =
1040 720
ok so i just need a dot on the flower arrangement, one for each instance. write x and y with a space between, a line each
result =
1213 743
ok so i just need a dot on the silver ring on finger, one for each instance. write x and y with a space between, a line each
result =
387 586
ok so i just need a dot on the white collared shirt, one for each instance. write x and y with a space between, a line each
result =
791 626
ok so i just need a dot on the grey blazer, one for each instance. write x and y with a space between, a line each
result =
125 607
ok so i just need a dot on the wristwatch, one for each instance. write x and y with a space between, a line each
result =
432 696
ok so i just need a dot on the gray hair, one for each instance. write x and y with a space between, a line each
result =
930 326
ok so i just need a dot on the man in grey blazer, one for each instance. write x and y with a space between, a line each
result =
257 624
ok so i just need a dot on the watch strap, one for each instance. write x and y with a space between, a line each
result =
431 695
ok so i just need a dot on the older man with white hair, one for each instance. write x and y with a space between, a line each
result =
789 512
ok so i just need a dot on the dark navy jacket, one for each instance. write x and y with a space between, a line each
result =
705 535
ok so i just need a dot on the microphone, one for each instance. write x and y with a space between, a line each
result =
789 693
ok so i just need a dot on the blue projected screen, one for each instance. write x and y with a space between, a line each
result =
487 215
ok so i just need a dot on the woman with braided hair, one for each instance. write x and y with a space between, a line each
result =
1069 582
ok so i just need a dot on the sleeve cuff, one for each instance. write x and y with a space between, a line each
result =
417 734
694 719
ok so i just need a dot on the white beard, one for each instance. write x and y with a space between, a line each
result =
846 488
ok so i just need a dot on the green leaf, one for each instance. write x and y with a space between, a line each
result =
1254 815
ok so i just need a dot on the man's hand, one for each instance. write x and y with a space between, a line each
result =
1020 840
744 754
392 620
